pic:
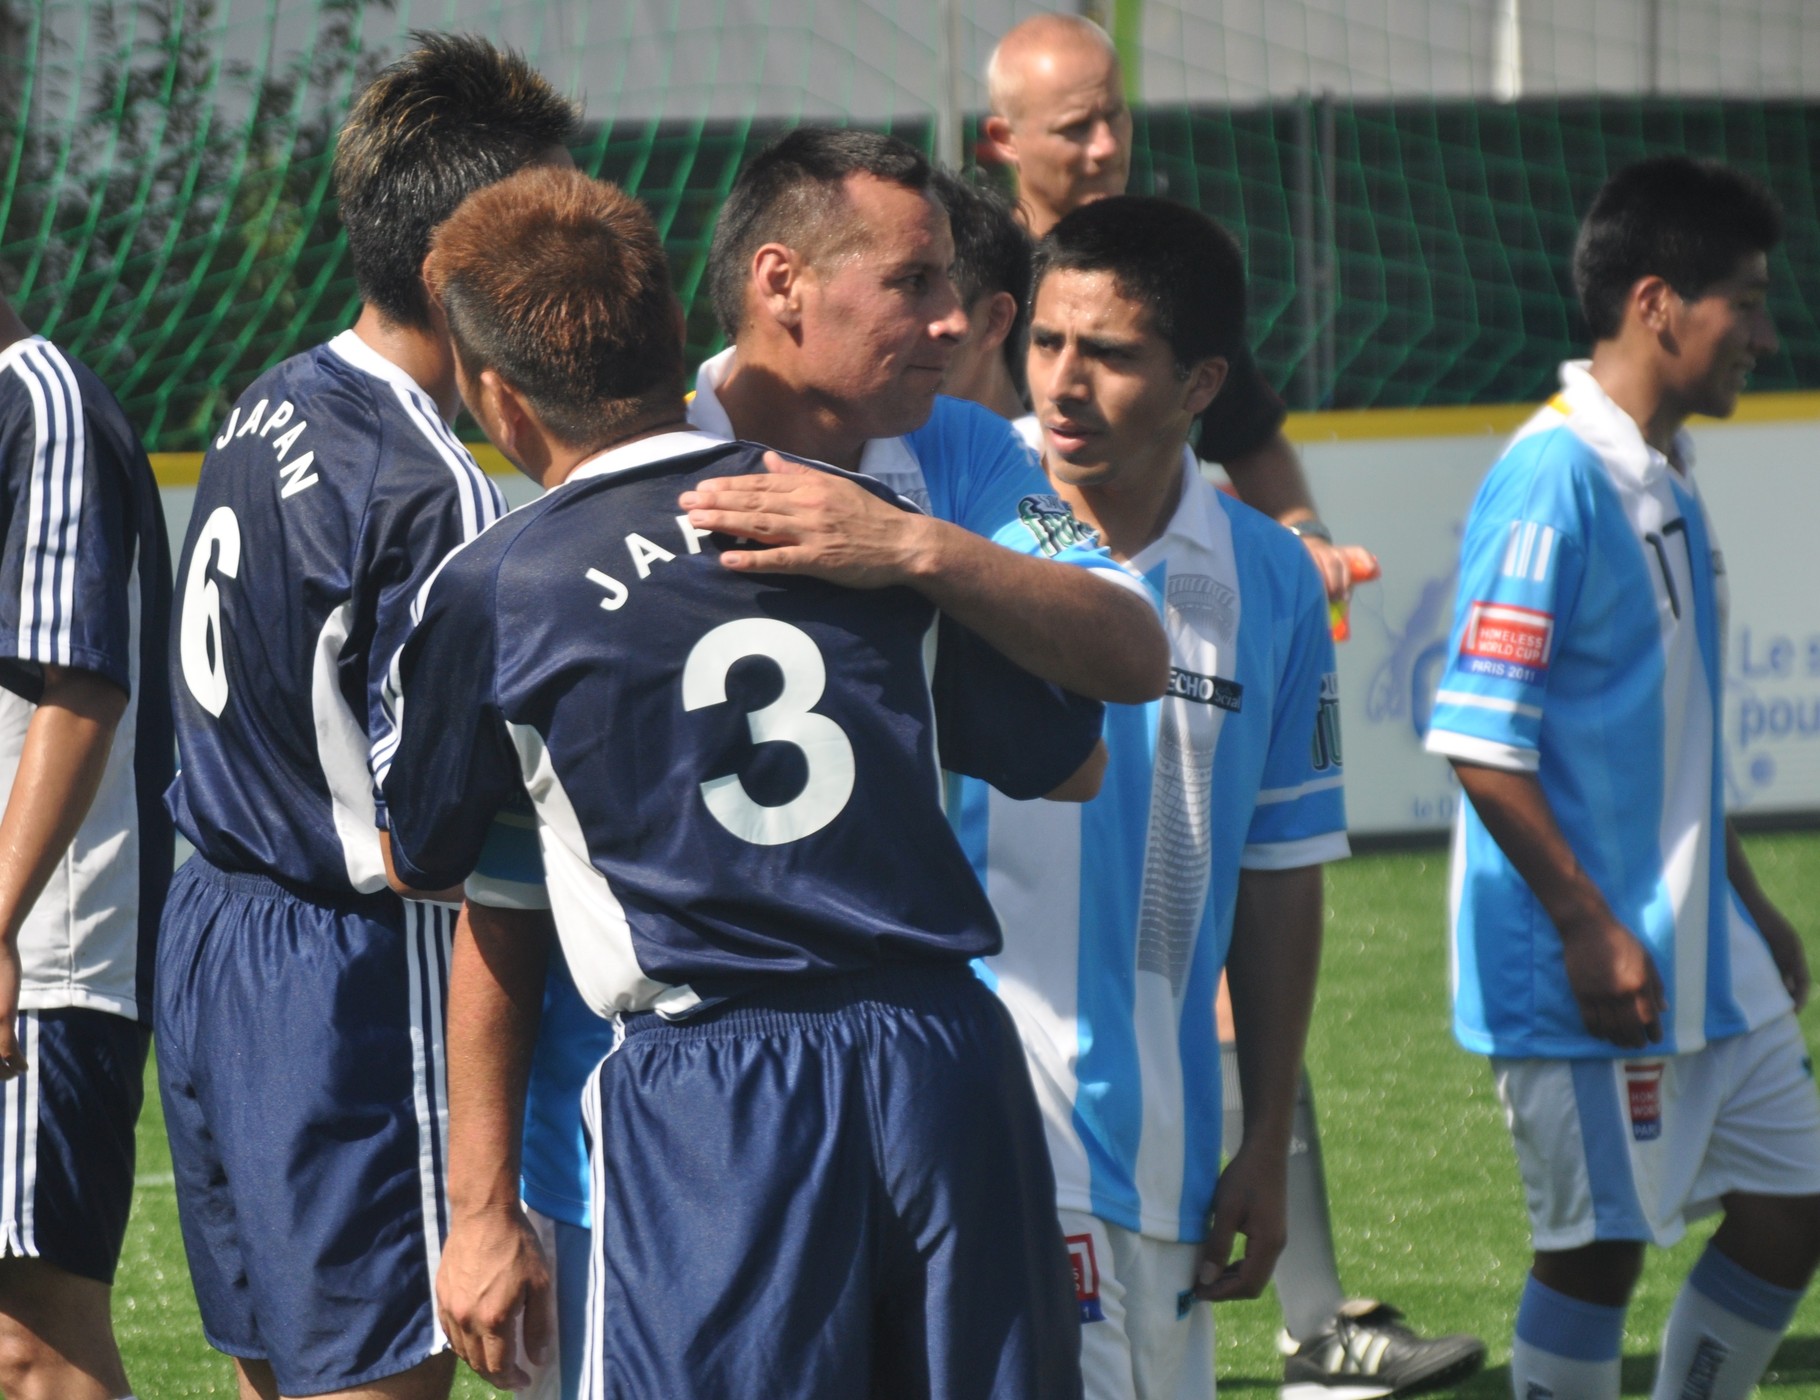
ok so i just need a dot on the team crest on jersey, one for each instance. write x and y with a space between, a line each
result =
1086 1277
1054 526
1206 690
1644 1081
1205 597
1506 642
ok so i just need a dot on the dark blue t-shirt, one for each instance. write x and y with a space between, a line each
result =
731 776
332 492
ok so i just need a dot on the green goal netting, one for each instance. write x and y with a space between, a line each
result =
1405 175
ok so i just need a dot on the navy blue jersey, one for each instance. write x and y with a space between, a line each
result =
732 776
85 582
332 492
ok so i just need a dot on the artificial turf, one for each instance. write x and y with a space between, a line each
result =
1427 1210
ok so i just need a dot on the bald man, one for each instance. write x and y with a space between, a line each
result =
1060 121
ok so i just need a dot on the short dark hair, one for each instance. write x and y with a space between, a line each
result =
1176 261
793 192
1689 222
451 116
559 282
991 254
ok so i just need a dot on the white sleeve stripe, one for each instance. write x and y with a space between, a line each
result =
1489 753
1487 702
54 513
478 495
1293 855
1272 795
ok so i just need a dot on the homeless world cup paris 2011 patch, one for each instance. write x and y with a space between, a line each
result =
1507 642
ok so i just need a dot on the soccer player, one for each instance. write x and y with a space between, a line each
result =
818 1168
85 853
299 999
1357 1344
1614 954
829 276
1204 848
1060 121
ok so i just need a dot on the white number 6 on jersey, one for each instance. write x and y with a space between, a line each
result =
788 719
199 641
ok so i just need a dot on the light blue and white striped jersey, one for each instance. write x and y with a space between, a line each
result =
1587 647
1117 913
964 465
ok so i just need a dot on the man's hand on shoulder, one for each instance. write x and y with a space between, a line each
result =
494 1272
815 522
1614 981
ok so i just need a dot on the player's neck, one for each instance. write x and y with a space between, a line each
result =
1630 380
991 388
424 355
764 406
1132 512
12 329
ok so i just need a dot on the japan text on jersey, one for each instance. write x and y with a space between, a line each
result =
734 776
1587 648
1117 914
329 495
85 583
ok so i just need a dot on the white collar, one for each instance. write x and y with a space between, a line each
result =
643 452
367 360
1613 432
885 458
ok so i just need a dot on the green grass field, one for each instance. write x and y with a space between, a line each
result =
1424 1189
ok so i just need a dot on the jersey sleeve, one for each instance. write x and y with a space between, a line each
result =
453 770
66 578
1300 816
419 515
1243 415
1521 563
997 722
976 466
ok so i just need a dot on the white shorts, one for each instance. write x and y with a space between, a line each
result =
1143 1334
565 1246
1635 1149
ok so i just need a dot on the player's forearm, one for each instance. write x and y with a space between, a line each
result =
1744 879
1271 969
1270 478
496 985
1085 634
1516 813
60 768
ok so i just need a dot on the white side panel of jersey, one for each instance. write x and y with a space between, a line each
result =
1201 615
341 749
1684 836
1033 853
590 921
79 945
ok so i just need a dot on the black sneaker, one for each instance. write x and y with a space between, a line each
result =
1369 1352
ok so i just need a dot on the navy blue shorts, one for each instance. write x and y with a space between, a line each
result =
66 1132
836 1188
300 1064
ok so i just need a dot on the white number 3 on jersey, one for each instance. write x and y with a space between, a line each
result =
199 640
789 719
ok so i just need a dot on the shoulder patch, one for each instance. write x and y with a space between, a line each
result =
1054 526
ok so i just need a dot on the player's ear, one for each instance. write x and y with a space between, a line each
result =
1001 312
777 278
1205 379
997 141
1652 302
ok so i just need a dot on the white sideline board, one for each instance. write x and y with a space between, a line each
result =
1400 481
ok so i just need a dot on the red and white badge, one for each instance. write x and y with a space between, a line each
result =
1513 635
1086 1277
1644 1080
